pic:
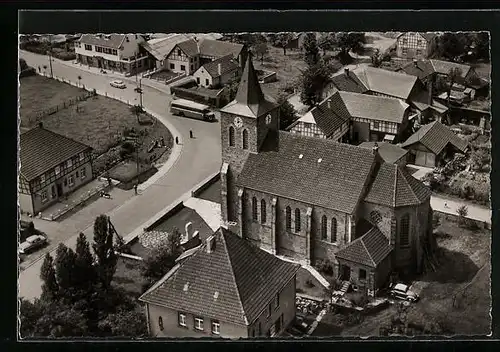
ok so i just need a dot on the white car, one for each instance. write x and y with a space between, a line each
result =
403 292
32 243
118 84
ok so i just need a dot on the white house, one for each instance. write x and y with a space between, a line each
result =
217 73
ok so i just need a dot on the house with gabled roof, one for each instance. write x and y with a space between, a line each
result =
390 153
433 145
307 198
414 45
217 73
52 166
224 288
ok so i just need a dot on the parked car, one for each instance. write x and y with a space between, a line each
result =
32 243
118 84
402 291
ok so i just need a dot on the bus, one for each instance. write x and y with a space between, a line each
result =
183 107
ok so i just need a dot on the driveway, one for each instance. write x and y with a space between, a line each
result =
199 158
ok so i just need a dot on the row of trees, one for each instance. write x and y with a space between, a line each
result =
78 298
470 46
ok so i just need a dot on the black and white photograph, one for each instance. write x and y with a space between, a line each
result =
254 185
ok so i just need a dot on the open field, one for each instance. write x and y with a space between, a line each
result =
99 121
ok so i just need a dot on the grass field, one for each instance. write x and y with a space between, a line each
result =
99 123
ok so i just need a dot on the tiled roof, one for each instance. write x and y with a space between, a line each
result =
249 100
330 119
419 68
348 82
435 136
329 174
427 36
386 82
227 65
395 187
234 283
41 150
369 249
390 153
219 48
190 47
114 41
161 47
374 107
444 67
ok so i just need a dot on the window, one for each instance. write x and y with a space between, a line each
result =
54 194
245 139
334 230
182 319
98 49
419 52
263 214
71 181
277 301
191 67
362 274
83 173
160 323
114 52
405 51
231 136
376 125
57 170
297 220
207 82
215 327
375 217
44 196
419 42
81 156
172 66
198 323
269 309
198 80
404 230
69 163
254 209
323 227
405 41
183 67
88 47
77 174
179 52
288 217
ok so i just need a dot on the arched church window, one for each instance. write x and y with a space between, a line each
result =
375 217
245 139
334 230
288 219
263 215
323 227
297 220
254 209
231 136
404 230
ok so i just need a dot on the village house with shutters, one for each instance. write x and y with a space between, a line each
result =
52 166
413 45
304 197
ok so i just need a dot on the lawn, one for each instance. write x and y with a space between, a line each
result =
99 123
456 296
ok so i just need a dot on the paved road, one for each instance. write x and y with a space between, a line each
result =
199 158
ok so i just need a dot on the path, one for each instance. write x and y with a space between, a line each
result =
200 157
475 212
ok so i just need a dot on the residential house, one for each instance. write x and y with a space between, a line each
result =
52 166
376 81
413 45
159 48
307 198
390 153
116 52
217 73
433 145
354 117
225 288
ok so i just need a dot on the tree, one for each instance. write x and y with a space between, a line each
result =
103 249
314 80
281 40
22 64
288 115
65 268
482 46
454 76
452 46
462 212
50 287
327 42
124 323
261 49
162 258
84 264
174 242
311 50
79 79
347 42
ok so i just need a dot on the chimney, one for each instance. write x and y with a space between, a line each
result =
329 103
219 69
346 71
187 230
375 148
210 243
40 124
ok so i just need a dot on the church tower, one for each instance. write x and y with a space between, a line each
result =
249 124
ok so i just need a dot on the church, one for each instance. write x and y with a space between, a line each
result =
313 199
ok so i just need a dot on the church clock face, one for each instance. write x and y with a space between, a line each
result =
238 122
269 118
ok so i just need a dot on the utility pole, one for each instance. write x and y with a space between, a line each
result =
50 56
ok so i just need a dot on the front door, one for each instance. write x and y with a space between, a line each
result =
59 190
346 273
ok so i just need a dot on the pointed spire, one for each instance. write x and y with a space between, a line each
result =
249 92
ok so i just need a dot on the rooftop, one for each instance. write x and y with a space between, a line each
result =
374 107
390 153
114 41
233 281
161 47
41 150
227 65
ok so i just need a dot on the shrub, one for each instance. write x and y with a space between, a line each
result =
325 267
462 213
